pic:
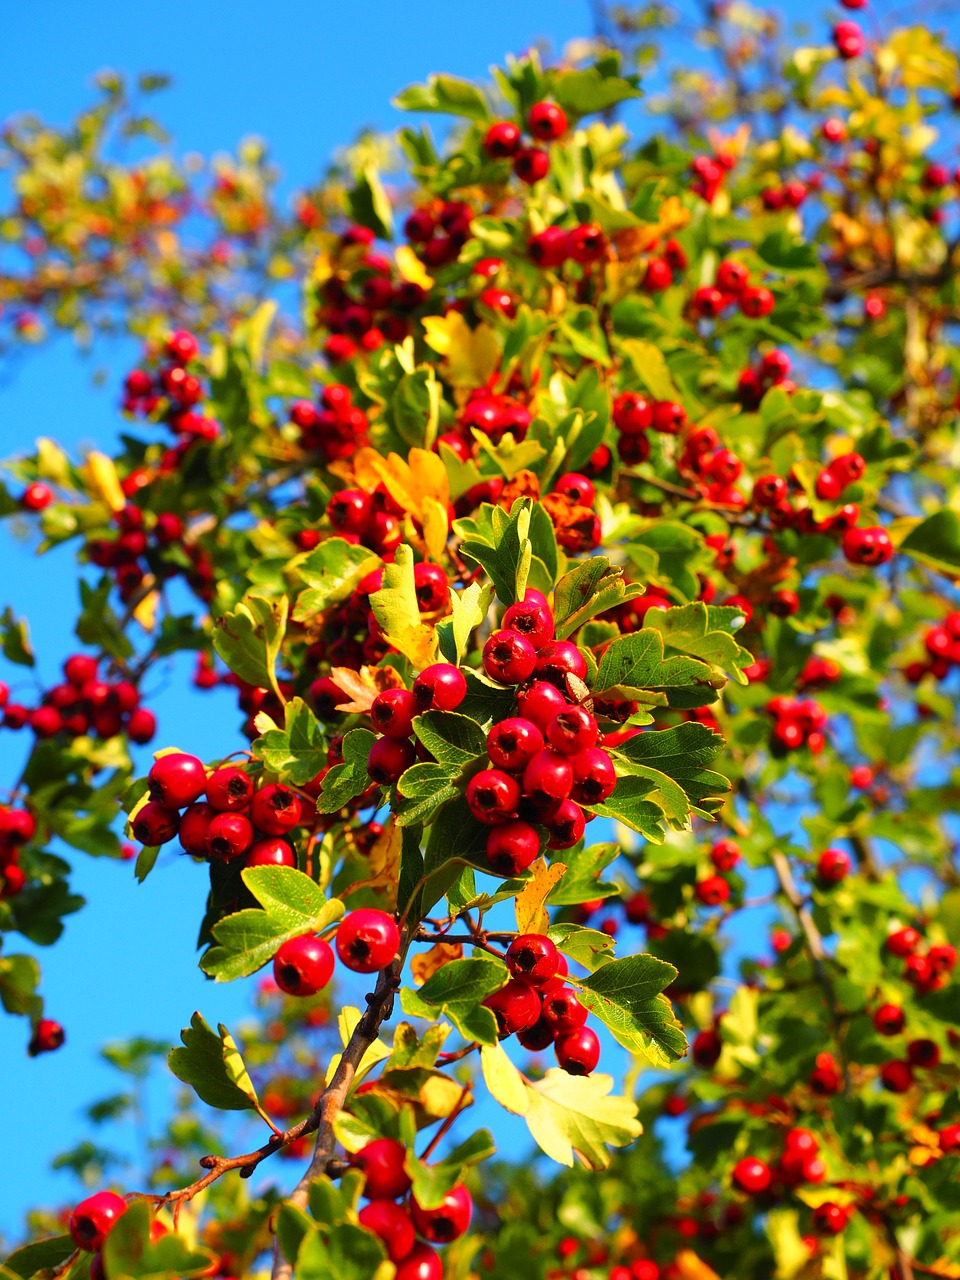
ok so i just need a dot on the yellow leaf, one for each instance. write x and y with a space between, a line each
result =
347 1024
411 268
470 355
783 1232
532 915
427 963
101 476
370 469
692 1267
673 216
146 611
435 528
361 687
504 1081
395 608
429 476
919 59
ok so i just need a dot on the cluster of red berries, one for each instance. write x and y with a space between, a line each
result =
926 968
233 820
897 1075
83 704
848 39
634 415
172 394
494 414
373 520
773 370
732 288
790 195
360 305
367 941
709 173
336 428
17 828
714 890
588 1255
942 643
552 247
439 687
799 1162
138 551
546 121
438 233
537 1006
395 1216
797 722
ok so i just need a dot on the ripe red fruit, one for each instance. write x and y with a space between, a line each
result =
903 942
431 587
540 702
867 546
732 276
949 1138
229 788
367 940
751 1176
92 1219
548 778
531 617
548 248
712 891
594 777
530 164
36 497
182 346
509 657
632 413
515 1006
833 865
563 1011
896 1076
79 668
48 1035
889 1019
756 302
705 1048
657 276
229 836
725 854
423 1263
269 853
393 1226
923 1053
532 958
586 243
849 40
176 780
449 1220
392 712
389 759
512 847
382 1164
501 140
303 966
512 743
275 809
142 725
493 796
829 1219
440 687
578 1052
572 731
155 825
546 121
565 825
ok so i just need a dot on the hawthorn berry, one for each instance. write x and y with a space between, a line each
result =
833 866
449 1220
92 1220
493 796
392 1225
176 780
392 712
440 687
303 965
509 657
48 1034
512 743
563 1011
275 809
501 140
512 847
422 1263
367 940
389 759
751 1176
516 1007
228 836
154 825
382 1164
532 958
229 788
572 731
578 1052
547 121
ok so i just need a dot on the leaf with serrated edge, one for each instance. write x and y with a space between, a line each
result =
627 996
458 990
635 664
504 1081
588 947
703 631
202 1064
532 915
248 639
574 1115
297 752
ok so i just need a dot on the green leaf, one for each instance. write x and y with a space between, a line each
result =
447 94
395 607
500 543
349 779
457 991
582 330
634 666
214 1068
650 367
673 759
581 881
468 610
456 834
16 639
346 1251
286 378
450 738
98 625
297 752
936 542
19 979
570 1115
369 205
586 91
248 639
631 805
431 1182
588 947
43 1255
129 1252
291 905
627 996
330 572
590 587
146 861
422 791
703 631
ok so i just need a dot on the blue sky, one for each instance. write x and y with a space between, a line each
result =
307 77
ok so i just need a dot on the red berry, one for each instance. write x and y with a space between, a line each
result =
275 809
176 780
155 825
512 847
303 966
509 657
92 1219
389 759
515 1006
705 1048
594 777
512 743
548 778
392 712
48 1035
540 702
903 942
889 1019
441 687
531 164
501 140
36 497
431 587
532 958
382 1163
896 1076
546 121
923 1053
531 618
712 891
493 796
578 1052
423 1263
367 940
142 725
182 346
393 1226
725 855
229 836
572 731
269 853
449 1220
751 1176
563 1011
229 789
833 865
565 825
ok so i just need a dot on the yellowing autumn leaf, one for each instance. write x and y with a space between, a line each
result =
409 482
470 356
426 963
532 915
411 268
102 480
919 60
361 687
692 1267
146 611
574 1116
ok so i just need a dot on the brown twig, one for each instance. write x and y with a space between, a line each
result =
448 1123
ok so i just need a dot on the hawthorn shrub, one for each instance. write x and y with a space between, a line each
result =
583 559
